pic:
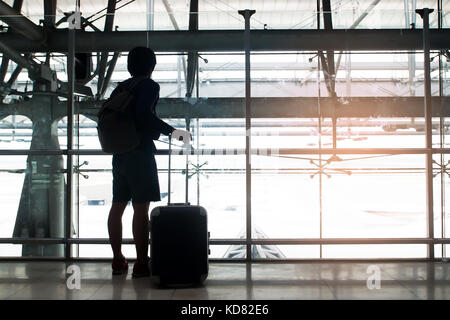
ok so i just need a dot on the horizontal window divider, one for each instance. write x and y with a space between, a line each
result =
269 151
357 241
325 260
300 241
225 170
32 240
231 260
22 152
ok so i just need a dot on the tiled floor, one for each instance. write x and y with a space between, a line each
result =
324 280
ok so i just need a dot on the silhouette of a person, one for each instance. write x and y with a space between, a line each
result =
135 175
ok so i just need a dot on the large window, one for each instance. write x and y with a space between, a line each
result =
338 152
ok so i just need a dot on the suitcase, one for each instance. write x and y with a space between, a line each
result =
179 246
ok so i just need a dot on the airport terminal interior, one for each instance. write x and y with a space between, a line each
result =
320 145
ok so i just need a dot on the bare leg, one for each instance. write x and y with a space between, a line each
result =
140 230
115 228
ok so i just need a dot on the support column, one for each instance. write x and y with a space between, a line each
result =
192 60
411 56
248 116
425 13
328 66
150 15
70 130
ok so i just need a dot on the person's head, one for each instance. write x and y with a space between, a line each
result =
141 61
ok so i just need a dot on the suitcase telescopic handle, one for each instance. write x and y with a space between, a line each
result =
170 169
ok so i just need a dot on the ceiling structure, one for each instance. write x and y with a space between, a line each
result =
375 23
222 14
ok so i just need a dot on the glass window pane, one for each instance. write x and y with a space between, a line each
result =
32 192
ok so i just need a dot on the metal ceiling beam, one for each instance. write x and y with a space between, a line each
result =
17 5
109 21
294 107
176 27
4 68
328 24
171 14
232 40
412 65
329 71
192 61
14 75
112 66
20 23
328 61
355 24
16 57
49 13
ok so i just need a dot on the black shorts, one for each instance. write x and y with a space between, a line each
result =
135 177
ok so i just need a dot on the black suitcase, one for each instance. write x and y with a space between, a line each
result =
179 244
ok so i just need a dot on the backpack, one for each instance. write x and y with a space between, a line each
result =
116 125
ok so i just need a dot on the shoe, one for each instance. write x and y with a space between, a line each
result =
141 270
119 266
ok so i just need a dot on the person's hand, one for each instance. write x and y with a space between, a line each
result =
182 135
